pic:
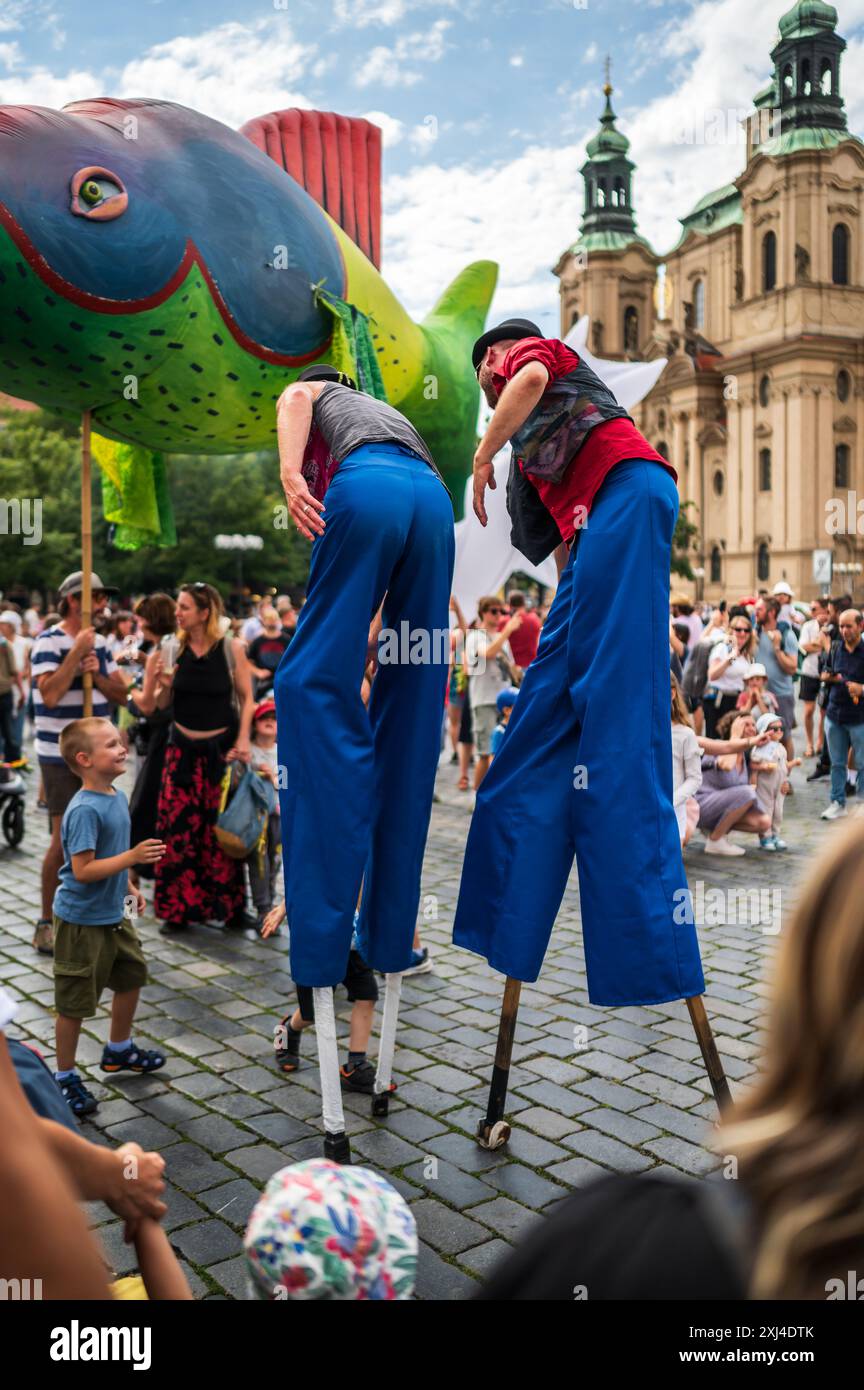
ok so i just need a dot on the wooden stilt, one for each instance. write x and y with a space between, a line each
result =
493 1132
86 551
710 1055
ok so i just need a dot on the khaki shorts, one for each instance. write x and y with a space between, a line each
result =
88 960
60 785
485 718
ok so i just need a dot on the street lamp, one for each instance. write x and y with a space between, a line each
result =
241 544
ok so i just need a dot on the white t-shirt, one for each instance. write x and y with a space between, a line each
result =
731 682
810 633
21 647
487 678
7 1009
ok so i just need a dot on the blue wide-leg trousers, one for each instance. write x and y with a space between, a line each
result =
359 783
585 769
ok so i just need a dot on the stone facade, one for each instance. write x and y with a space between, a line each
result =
759 309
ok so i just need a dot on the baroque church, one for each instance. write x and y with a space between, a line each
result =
759 308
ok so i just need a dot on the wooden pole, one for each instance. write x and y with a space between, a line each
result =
494 1131
86 550
710 1055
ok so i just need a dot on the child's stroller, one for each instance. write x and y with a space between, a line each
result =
11 803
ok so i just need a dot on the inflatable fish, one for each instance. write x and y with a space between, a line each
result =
164 272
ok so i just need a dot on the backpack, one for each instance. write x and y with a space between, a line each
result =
241 825
696 670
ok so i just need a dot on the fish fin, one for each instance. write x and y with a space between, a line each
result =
465 303
337 159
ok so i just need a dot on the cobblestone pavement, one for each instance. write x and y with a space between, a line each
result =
591 1089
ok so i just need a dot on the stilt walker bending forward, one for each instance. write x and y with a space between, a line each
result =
585 767
361 484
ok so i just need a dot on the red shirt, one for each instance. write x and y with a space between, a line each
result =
606 445
523 641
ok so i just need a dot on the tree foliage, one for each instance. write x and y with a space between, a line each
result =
40 458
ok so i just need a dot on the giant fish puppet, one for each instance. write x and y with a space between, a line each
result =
142 242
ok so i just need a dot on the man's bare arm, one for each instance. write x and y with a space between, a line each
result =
515 404
293 425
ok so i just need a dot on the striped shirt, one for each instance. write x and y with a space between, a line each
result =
48 652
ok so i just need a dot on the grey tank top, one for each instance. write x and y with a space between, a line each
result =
348 419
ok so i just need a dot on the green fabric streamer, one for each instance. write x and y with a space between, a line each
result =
135 497
352 349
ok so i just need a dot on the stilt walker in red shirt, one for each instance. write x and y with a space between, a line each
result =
585 482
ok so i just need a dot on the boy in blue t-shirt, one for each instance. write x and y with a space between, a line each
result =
504 702
95 944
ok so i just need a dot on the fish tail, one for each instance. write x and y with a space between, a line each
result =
463 306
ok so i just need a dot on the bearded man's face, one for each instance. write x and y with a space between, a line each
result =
486 376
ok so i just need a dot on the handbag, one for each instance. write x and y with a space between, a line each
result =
241 824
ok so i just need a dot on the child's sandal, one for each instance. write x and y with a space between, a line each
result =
133 1059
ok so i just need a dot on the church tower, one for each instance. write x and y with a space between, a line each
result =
609 273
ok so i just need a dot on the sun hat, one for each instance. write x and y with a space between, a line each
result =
322 1230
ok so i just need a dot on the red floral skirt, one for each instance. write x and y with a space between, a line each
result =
195 880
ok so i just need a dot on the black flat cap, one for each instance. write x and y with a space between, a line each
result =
510 328
324 372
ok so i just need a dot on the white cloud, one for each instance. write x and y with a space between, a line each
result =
517 60
590 54
391 67
522 213
232 72
392 129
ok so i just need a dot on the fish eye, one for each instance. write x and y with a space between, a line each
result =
98 194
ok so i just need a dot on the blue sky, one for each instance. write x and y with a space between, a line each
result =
486 107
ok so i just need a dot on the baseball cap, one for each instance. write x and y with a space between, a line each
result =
506 698
755 669
510 328
266 707
10 616
73 582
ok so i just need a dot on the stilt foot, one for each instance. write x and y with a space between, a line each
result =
337 1147
493 1136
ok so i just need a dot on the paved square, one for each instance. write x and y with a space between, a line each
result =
592 1089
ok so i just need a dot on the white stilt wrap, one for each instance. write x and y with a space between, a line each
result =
328 1061
387 1044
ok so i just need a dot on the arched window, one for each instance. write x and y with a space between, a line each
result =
764 390
841 465
661 419
699 304
764 470
769 262
787 80
663 449
718 483
763 562
826 81
844 385
591 193
840 255
804 78
716 565
631 329
601 193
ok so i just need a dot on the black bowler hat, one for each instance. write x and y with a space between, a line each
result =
324 372
510 328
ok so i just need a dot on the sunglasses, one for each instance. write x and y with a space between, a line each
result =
741 629
496 612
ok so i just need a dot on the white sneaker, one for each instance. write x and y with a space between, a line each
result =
834 812
723 846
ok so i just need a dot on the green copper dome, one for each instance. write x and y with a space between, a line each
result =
608 140
806 18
